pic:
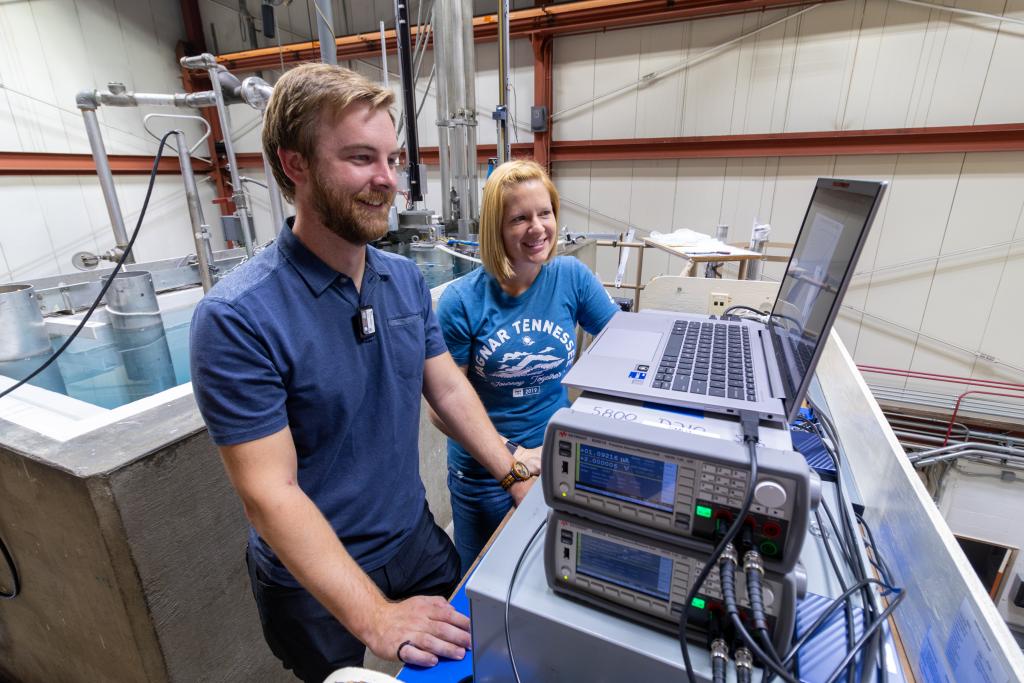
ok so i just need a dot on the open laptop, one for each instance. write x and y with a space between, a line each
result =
728 366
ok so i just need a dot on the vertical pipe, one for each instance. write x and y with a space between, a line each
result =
237 193
412 149
325 31
442 67
200 231
470 194
99 155
383 56
504 145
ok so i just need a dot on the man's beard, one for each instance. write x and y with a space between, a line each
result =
345 217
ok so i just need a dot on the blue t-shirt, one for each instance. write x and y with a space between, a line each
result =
274 344
518 348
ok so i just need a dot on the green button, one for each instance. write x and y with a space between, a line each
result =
703 511
698 603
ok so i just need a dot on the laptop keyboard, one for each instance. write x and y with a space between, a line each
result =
708 358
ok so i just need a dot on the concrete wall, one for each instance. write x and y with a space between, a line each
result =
131 557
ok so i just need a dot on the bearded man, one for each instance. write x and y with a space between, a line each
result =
308 362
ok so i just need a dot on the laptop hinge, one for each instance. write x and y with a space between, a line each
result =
775 389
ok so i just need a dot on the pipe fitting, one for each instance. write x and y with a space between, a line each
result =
729 555
743 659
201 61
87 99
752 562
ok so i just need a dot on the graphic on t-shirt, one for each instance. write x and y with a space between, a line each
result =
507 359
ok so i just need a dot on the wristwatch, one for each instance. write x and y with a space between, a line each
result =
519 472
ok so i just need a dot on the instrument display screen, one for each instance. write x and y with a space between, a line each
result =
624 566
631 478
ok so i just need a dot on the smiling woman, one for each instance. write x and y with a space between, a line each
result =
511 325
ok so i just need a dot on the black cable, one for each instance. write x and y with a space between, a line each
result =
744 665
749 424
719 660
110 278
754 570
739 307
875 626
833 606
508 596
16 580
847 608
727 575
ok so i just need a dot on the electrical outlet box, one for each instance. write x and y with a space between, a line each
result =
718 302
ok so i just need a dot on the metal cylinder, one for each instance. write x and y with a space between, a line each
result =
139 334
504 144
25 345
754 267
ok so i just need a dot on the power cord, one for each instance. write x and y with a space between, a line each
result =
15 579
749 423
110 279
508 596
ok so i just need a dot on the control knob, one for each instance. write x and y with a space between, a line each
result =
770 494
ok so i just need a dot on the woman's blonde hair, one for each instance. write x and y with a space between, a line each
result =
492 209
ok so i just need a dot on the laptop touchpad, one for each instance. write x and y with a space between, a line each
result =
627 344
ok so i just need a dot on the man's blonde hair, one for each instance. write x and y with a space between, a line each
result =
301 98
492 209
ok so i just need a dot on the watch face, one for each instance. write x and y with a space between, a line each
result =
521 470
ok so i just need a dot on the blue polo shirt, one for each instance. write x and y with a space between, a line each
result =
275 344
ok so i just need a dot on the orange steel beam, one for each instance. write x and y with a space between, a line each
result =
43 163
562 19
987 138
1007 137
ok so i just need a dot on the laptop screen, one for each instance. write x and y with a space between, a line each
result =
830 240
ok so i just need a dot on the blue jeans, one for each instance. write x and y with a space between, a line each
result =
478 506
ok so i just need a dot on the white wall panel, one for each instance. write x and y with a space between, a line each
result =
758 74
707 105
573 83
1002 99
966 54
26 241
24 75
616 64
699 187
886 346
660 101
824 57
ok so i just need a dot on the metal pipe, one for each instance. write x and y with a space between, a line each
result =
200 231
106 178
383 55
237 191
501 115
966 446
276 198
412 148
325 31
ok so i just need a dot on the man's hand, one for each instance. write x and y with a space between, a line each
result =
531 458
519 490
432 626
